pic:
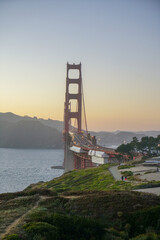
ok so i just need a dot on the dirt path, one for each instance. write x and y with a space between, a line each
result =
72 196
150 190
115 173
19 219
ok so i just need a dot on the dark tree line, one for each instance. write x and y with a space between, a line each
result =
146 146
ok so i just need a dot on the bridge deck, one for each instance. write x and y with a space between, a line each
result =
84 143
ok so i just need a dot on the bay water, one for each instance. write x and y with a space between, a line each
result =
21 167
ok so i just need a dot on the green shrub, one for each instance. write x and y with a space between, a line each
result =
64 227
43 229
78 227
127 227
114 232
148 236
141 220
12 237
148 185
41 191
125 166
127 173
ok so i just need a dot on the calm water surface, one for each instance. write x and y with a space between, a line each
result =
21 167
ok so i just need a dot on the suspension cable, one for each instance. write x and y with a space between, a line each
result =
84 110
75 121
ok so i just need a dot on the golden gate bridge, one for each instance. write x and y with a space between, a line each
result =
80 148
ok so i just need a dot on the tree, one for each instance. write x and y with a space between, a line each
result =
145 145
135 143
125 149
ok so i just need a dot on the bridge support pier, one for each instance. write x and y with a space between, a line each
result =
68 154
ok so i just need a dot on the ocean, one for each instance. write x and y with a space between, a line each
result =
21 167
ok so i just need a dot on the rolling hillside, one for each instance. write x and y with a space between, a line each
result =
18 131
60 209
29 134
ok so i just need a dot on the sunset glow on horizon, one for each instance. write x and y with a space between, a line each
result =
117 42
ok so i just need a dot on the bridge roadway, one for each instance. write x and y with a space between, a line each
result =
80 140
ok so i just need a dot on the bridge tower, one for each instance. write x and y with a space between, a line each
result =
69 114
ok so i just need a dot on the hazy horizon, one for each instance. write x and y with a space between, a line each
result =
117 42
117 130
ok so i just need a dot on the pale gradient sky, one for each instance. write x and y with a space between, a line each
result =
117 42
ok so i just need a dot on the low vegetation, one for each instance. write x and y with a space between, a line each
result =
127 173
147 185
125 166
88 179
86 204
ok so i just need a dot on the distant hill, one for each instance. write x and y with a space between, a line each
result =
29 133
11 117
117 138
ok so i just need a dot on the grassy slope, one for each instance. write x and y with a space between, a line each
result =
89 179
104 206
14 208
78 193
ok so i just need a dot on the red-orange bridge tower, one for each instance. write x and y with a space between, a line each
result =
80 150
68 114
